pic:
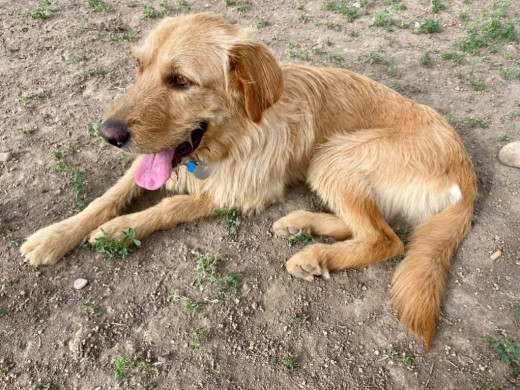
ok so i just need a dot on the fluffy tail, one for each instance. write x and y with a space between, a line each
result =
419 283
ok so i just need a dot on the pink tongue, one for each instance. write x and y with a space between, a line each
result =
154 170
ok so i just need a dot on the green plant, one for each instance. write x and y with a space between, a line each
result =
198 337
28 131
504 138
26 98
3 313
507 350
77 178
332 26
426 60
437 5
482 123
336 59
464 16
233 280
452 56
192 304
207 269
304 18
93 131
116 247
6 282
230 220
303 238
401 6
38 14
382 19
350 13
294 320
125 368
165 7
15 242
149 12
98 5
290 363
89 73
400 357
510 73
477 84
90 305
430 26
492 29
517 308
262 22
239 5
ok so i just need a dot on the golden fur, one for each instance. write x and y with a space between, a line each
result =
368 152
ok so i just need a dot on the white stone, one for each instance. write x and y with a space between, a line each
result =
80 283
510 154
4 157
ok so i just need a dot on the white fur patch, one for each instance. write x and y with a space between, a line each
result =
454 194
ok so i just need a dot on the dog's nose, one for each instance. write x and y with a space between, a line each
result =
114 132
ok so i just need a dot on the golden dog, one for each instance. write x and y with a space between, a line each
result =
205 91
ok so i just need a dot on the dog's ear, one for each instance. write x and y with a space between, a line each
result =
256 74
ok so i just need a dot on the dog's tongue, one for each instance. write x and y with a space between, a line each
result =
154 170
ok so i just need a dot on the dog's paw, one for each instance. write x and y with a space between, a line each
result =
305 265
290 226
112 229
48 245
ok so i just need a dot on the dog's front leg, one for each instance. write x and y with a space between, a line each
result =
50 244
165 215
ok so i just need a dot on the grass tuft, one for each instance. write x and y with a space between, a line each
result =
400 357
126 368
290 363
198 337
230 220
426 60
116 247
350 13
27 98
508 351
430 26
303 238
437 6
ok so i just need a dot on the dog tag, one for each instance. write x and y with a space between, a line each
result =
200 171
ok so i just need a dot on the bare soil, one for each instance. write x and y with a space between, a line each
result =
57 77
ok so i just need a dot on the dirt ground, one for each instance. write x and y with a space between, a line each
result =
152 320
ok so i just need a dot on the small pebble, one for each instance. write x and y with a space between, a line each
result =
80 283
510 154
495 255
5 157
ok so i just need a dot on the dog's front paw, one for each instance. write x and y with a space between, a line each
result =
290 226
306 265
48 245
112 229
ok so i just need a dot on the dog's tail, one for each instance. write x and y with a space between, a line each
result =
419 283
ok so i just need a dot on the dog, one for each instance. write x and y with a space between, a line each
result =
206 92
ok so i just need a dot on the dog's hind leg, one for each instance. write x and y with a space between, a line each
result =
320 224
50 244
338 173
373 240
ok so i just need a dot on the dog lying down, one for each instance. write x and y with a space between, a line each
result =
207 93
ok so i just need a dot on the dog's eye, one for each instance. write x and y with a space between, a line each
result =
179 82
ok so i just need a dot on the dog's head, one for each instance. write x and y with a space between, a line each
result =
194 73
